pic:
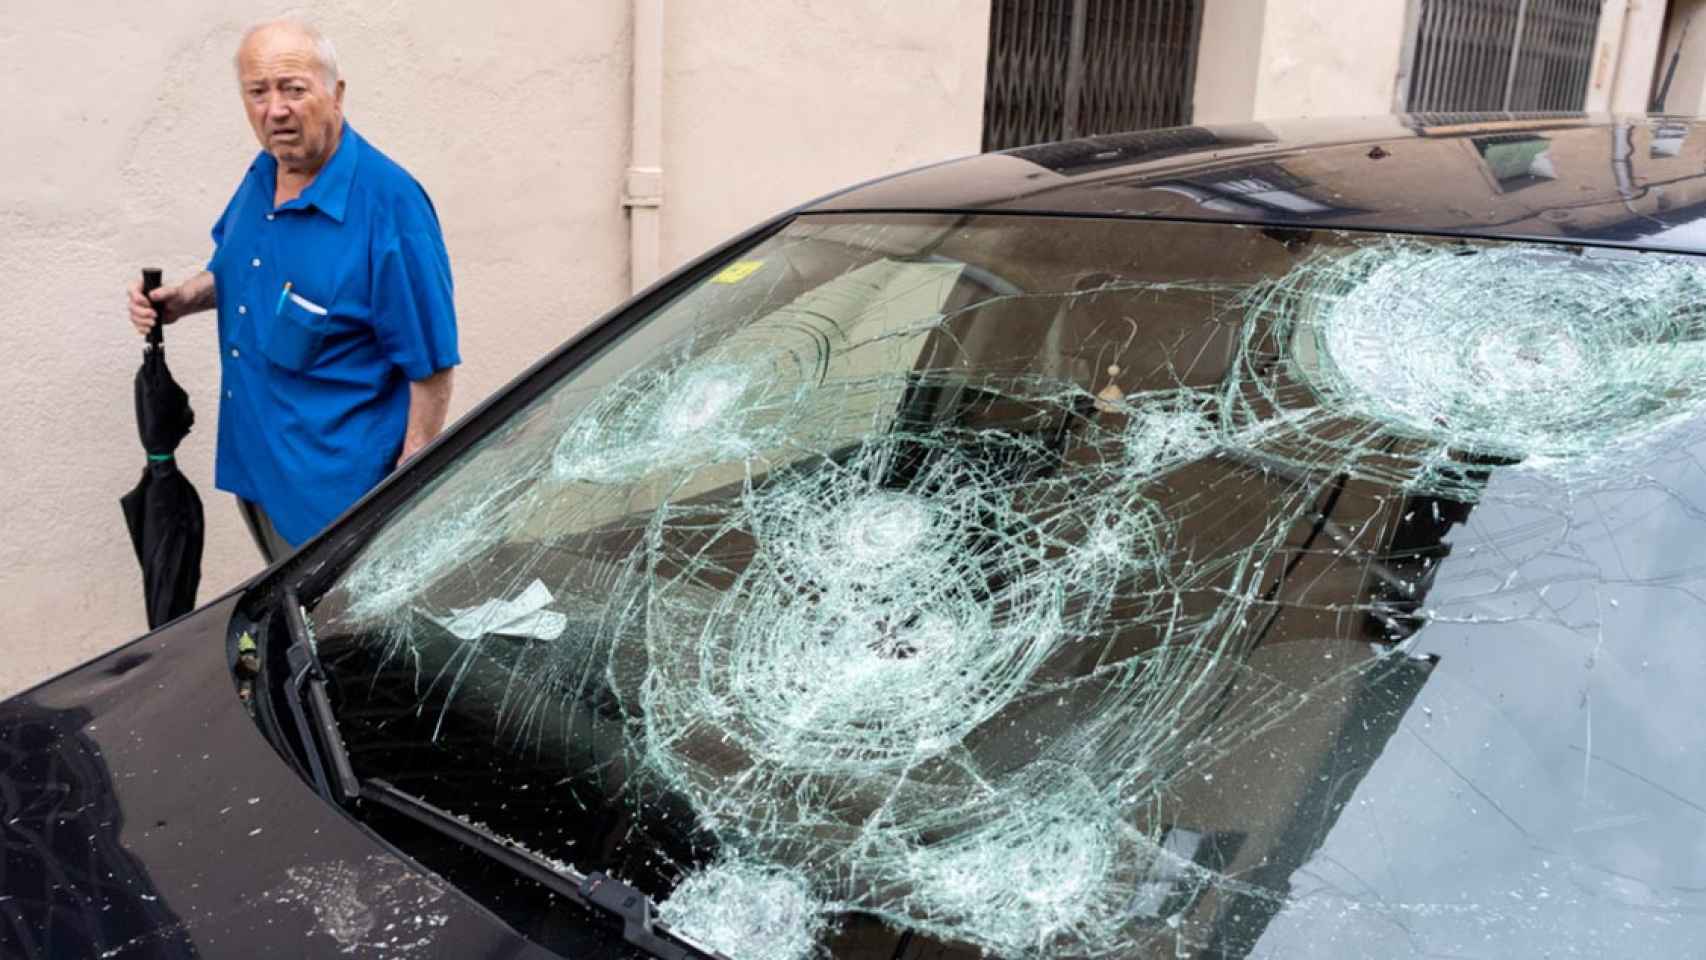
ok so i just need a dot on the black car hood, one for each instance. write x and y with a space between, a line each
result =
143 815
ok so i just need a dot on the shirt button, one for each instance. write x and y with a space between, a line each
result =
255 262
227 394
242 309
234 351
269 216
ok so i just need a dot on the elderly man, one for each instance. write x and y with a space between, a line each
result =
337 333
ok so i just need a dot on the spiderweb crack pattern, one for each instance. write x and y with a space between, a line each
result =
748 911
835 631
1456 355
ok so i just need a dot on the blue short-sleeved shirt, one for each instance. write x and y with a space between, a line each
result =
328 306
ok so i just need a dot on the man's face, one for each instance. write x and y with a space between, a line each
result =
295 116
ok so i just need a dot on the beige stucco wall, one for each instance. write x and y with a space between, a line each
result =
767 105
1297 58
1625 52
1264 59
125 137
1685 37
1229 57
1329 59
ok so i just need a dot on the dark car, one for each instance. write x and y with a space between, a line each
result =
1196 542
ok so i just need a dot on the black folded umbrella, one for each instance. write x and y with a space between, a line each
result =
164 512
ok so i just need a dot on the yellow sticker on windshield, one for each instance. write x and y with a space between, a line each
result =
738 271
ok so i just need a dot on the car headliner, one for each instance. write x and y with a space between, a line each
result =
1636 182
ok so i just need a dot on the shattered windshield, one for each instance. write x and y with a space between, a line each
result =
940 586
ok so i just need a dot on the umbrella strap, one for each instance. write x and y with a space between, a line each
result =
159 457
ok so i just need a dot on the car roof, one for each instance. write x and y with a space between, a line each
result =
1637 182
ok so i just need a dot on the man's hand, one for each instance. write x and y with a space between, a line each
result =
429 405
167 304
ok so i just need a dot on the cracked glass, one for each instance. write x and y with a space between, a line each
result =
942 585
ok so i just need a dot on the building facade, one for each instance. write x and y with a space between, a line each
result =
577 151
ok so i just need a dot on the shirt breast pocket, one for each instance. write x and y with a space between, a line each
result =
296 334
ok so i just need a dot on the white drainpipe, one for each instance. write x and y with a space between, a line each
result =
642 192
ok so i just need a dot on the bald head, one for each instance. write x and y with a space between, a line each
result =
290 29
288 74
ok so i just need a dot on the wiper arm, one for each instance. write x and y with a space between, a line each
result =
308 683
597 892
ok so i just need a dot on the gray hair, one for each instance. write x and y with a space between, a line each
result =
323 48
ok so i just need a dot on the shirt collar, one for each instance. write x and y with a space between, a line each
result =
329 193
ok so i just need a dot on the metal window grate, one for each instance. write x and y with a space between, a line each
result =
1067 68
1527 55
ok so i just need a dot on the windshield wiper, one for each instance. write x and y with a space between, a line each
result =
597 892
308 682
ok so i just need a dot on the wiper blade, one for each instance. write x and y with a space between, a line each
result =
306 695
597 892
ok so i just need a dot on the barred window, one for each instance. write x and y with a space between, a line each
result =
1060 69
1518 55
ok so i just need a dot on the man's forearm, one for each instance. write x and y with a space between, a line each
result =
196 294
429 405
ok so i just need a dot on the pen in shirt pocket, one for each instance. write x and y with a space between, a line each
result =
289 295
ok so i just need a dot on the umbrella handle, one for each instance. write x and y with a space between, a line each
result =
151 279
